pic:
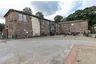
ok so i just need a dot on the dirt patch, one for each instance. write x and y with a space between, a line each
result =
86 56
82 54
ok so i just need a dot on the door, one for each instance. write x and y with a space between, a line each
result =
52 28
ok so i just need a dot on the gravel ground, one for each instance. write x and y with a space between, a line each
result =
41 50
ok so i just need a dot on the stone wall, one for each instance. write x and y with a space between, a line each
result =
10 22
44 27
29 28
24 29
57 28
15 26
73 26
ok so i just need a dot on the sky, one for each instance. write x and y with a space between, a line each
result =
49 8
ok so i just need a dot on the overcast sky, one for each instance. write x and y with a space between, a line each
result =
49 8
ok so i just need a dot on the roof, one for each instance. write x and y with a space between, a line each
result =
74 21
22 12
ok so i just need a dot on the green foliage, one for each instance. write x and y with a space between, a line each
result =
58 18
63 20
39 14
88 13
2 26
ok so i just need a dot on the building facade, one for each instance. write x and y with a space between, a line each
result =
24 25
72 26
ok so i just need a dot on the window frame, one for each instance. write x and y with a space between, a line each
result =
24 18
20 17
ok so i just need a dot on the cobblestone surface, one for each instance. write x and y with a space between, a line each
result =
41 50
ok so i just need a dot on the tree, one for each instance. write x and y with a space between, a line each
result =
39 14
63 20
88 13
27 10
58 18
2 26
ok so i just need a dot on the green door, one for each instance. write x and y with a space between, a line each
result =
52 28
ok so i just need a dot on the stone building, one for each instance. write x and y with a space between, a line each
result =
25 24
72 26
94 29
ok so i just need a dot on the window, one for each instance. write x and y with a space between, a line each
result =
24 18
48 23
43 23
10 18
52 27
20 17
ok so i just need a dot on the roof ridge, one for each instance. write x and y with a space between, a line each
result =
25 14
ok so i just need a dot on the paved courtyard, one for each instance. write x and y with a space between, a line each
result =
40 50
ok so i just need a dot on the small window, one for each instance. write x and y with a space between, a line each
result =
43 23
24 18
48 23
20 17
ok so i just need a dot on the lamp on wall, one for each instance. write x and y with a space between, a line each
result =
72 24
27 34
72 28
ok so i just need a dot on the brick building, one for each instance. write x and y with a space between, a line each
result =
72 26
26 25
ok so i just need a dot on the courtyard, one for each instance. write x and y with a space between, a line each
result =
40 50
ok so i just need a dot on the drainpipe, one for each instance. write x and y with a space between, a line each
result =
7 33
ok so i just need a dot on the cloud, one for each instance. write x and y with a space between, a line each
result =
64 8
76 5
2 21
5 5
16 4
49 8
87 3
68 7
46 7
52 8
2 12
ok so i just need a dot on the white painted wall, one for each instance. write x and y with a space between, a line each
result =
35 26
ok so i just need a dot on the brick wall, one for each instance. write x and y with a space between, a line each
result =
10 22
73 26
23 27
44 27
15 26
64 28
